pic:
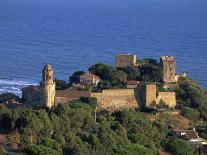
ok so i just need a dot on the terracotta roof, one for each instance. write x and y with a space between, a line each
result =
71 93
189 134
89 75
132 82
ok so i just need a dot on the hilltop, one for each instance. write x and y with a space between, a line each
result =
79 127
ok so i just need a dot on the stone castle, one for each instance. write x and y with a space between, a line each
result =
168 64
142 96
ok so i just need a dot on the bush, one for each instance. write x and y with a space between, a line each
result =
192 95
190 113
40 150
61 84
6 97
132 149
92 101
180 147
2 150
48 142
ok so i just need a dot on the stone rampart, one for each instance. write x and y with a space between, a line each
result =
116 99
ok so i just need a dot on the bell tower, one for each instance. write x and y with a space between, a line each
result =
47 87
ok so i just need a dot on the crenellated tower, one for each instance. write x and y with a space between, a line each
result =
168 64
47 87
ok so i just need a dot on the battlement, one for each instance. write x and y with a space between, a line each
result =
125 54
167 58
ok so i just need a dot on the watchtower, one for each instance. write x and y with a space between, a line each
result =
168 64
125 60
47 87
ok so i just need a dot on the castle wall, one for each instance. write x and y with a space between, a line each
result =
62 100
167 97
116 99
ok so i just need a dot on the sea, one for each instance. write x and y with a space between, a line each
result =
72 35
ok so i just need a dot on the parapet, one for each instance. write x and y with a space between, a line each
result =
168 58
125 60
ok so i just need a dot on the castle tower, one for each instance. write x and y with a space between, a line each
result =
125 60
168 64
149 94
47 87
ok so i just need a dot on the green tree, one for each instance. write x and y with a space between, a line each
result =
132 149
180 147
118 78
104 71
61 84
6 97
75 78
190 113
132 73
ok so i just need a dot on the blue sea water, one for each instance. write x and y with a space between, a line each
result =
74 34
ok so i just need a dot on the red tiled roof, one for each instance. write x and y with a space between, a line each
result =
132 82
89 75
189 134
69 93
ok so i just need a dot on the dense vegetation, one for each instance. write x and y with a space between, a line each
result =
148 70
192 99
72 129
7 97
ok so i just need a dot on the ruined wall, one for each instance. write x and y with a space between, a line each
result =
115 99
167 97
125 60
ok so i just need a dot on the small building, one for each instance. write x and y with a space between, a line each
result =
90 79
191 136
132 84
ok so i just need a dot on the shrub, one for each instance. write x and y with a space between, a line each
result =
2 150
180 147
40 150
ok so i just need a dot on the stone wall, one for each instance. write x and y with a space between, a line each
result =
167 97
125 60
62 100
115 99
169 68
150 95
